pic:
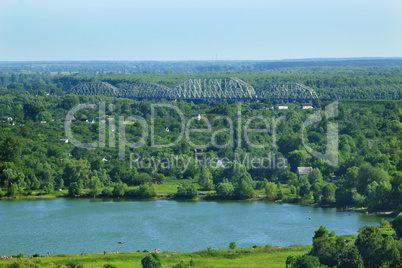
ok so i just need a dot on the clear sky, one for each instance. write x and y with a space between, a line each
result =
198 29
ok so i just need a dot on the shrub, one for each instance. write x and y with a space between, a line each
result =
109 266
232 245
151 261
74 265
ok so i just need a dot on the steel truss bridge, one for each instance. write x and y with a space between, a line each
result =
199 88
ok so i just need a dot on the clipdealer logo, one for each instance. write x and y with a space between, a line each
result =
243 133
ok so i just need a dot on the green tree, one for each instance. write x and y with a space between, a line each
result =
47 187
76 170
350 258
305 191
32 110
368 174
244 190
328 194
369 243
271 190
13 189
314 176
307 261
151 261
73 189
95 186
204 175
397 225
225 189
186 191
293 189
10 150
350 178
119 189
147 190
296 159
320 233
232 245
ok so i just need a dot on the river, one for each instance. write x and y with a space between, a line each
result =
65 226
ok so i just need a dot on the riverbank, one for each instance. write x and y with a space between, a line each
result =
169 196
257 257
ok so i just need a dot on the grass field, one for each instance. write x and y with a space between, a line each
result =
258 257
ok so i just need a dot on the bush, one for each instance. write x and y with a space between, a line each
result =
397 225
151 261
74 265
186 191
107 192
13 265
109 266
232 245
182 264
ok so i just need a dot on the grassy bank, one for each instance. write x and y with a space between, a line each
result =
258 257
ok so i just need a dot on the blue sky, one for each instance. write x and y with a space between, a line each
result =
198 30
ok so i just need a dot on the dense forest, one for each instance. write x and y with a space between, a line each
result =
372 248
336 83
35 155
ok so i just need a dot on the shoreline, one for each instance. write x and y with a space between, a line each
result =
258 256
361 210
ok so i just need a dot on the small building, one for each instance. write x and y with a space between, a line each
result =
91 121
198 116
281 107
43 122
7 118
303 171
64 140
305 106
63 119
220 163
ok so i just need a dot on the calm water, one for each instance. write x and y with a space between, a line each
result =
75 226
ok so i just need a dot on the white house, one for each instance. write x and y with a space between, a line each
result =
281 107
306 106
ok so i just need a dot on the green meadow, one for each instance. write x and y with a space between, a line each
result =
257 257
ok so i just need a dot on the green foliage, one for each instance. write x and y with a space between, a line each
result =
320 233
32 156
108 265
225 189
315 176
244 190
95 185
306 261
47 187
232 245
186 191
182 264
369 243
73 189
151 261
74 265
397 225
10 149
271 190
351 258
368 174
328 194
119 189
